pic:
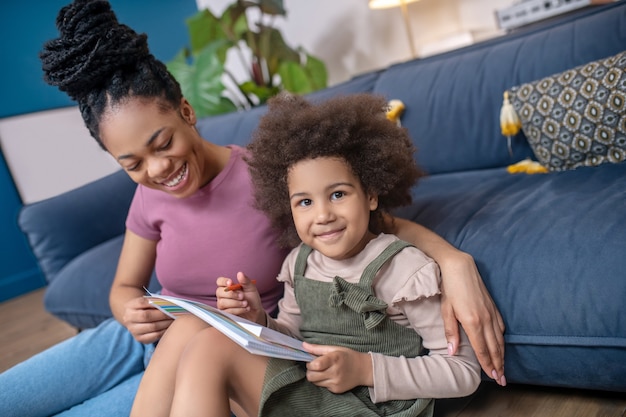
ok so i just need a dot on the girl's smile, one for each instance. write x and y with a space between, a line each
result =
330 235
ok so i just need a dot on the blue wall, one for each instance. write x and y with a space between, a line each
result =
24 27
26 24
19 272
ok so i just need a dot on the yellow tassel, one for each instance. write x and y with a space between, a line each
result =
527 166
395 108
510 122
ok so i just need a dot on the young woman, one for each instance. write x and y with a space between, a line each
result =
191 219
362 300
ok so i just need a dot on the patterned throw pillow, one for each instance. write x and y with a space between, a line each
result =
578 117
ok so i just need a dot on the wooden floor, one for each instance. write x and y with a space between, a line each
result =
27 329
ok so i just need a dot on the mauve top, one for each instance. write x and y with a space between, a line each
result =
214 233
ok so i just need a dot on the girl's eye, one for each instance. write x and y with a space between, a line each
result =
337 195
305 202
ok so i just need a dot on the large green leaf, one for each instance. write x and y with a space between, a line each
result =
316 71
205 29
294 78
201 82
178 66
303 79
234 21
268 45
261 92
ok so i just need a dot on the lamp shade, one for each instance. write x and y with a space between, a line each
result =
385 4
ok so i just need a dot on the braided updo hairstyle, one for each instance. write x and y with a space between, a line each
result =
353 128
100 62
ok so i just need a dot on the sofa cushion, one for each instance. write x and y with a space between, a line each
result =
79 294
63 227
536 240
577 117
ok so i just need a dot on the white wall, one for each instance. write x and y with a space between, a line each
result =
51 152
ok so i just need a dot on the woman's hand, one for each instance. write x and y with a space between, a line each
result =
338 369
134 269
465 300
145 322
244 302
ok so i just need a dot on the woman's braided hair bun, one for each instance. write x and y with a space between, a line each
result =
91 48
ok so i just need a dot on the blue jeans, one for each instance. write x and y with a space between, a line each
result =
95 373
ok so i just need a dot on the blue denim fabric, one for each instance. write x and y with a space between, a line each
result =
95 373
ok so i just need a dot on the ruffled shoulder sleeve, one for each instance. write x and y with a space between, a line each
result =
416 276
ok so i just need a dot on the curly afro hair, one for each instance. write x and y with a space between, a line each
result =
98 62
353 128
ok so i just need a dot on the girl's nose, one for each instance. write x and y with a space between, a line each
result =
324 213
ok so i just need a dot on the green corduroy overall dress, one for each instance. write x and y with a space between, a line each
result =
341 314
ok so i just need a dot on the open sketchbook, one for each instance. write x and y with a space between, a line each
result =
253 337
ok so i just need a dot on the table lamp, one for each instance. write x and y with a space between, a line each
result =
385 4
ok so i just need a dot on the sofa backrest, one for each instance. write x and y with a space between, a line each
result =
453 100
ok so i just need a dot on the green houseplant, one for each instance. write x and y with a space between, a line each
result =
270 63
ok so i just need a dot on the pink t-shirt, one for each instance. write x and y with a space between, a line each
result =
215 232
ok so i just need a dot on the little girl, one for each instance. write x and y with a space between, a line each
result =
364 302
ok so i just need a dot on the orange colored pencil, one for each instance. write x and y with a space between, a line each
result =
237 287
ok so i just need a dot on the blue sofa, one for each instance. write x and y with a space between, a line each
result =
550 247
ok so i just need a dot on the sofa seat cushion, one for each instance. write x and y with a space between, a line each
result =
79 294
540 236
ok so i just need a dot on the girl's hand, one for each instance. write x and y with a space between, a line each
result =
244 302
145 322
338 369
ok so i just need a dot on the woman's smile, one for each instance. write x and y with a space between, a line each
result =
177 178
161 149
